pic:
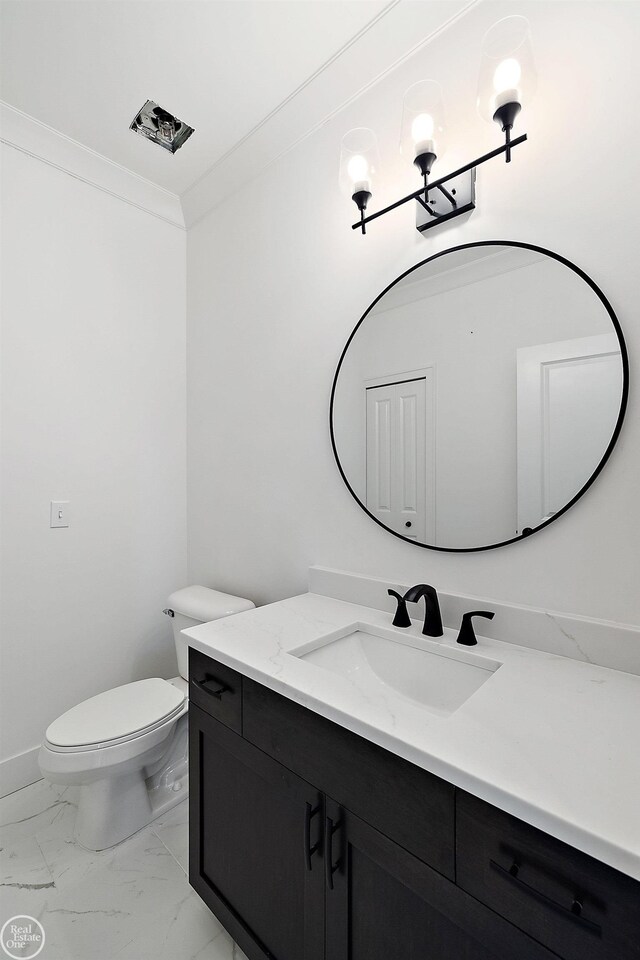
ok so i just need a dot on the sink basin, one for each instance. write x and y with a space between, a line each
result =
438 678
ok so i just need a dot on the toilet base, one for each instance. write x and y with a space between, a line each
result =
112 809
116 807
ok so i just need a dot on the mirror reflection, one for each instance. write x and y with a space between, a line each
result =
478 396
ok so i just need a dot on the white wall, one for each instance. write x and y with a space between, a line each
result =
93 412
277 280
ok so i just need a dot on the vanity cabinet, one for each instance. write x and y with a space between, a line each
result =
309 842
249 817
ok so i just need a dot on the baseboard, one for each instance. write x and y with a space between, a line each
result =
19 771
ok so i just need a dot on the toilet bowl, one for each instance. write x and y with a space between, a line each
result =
127 748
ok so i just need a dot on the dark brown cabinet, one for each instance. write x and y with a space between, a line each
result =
248 834
310 843
384 903
554 892
407 804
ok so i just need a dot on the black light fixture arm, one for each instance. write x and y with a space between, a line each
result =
506 116
422 193
423 201
361 199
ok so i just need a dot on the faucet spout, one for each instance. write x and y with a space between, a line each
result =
432 617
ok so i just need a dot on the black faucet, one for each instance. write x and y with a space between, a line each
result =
432 619
467 635
402 618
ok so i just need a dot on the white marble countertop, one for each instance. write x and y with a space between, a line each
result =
551 740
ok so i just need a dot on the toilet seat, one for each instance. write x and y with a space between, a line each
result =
116 716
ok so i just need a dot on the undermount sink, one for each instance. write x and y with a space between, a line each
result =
378 662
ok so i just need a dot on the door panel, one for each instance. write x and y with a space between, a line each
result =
403 924
251 855
383 903
569 396
411 453
397 491
379 455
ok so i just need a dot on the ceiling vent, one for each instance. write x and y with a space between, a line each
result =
156 124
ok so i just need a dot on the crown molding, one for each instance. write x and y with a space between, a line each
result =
385 43
377 50
36 139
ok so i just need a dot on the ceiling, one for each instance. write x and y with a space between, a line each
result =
253 77
84 67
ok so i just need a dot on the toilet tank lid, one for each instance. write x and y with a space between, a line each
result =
204 604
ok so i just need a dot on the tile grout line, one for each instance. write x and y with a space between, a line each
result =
158 837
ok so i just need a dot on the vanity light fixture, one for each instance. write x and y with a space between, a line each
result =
507 77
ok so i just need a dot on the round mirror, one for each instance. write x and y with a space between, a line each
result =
479 396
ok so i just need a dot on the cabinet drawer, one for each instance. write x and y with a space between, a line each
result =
578 907
407 804
216 689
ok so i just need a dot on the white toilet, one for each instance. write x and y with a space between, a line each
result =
127 748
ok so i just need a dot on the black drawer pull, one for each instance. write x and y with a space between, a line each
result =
329 866
213 687
309 814
574 912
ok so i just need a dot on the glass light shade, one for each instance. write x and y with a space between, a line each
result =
359 161
507 68
423 122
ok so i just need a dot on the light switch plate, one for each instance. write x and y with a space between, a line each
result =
59 516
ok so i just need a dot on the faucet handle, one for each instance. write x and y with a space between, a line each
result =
467 634
402 618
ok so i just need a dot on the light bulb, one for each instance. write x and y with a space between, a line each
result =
506 78
358 171
166 130
422 134
422 127
507 75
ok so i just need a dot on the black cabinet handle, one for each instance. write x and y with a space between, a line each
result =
213 687
309 814
573 912
329 866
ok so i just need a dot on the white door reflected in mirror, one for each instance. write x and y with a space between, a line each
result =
478 396
399 452
567 394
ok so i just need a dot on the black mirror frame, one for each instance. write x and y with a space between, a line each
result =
616 433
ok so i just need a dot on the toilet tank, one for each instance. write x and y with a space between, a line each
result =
192 606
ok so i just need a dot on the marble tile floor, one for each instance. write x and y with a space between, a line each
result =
132 902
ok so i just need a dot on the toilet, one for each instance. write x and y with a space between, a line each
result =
127 748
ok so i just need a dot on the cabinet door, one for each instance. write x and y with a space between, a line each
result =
382 902
255 845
